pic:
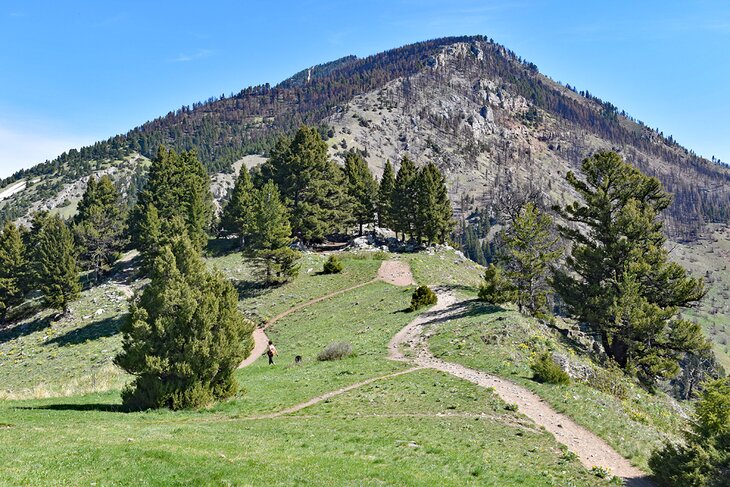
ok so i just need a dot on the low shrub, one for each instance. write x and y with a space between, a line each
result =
544 369
422 296
335 351
610 380
333 265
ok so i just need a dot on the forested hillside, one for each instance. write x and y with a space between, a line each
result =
223 129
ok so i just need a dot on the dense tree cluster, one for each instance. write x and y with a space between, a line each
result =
99 226
176 199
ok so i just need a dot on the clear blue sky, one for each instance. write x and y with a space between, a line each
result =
76 72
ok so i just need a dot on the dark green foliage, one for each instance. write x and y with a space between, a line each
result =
496 288
704 458
185 336
178 188
362 188
311 184
333 265
404 199
220 129
335 351
544 369
237 214
54 263
433 213
422 296
99 226
385 196
270 236
618 278
529 249
12 268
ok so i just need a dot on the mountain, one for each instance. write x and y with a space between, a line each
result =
490 120
484 115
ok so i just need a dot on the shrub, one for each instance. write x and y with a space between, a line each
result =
496 289
609 380
333 265
335 351
511 407
422 296
544 369
704 457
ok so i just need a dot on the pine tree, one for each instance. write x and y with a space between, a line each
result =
618 278
362 188
703 458
237 214
54 262
178 186
404 198
99 226
12 268
270 236
496 288
312 185
530 247
185 337
433 213
385 196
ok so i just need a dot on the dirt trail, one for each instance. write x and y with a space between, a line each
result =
591 449
391 271
331 394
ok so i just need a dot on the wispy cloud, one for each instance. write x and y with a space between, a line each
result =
193 56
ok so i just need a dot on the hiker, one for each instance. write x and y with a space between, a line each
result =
271 352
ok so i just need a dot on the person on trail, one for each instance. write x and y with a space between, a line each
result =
271 352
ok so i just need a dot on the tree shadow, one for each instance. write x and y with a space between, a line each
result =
251 289
107 408
219 247
17 331
93 331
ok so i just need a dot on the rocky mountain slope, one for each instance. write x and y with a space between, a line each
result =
487 118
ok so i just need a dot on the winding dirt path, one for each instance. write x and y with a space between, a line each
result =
391 271
591 450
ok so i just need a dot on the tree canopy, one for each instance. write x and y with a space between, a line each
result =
618 278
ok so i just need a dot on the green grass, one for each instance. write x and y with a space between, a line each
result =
78 442
502 342
445 268
40 357
264 303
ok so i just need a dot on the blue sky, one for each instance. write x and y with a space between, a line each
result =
77 72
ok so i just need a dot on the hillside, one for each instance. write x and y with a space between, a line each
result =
484 115
366 419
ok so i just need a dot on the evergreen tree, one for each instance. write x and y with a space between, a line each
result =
496 288
385 196
619 279
270 236
185 337
54 262
237 214
362 188
99 226
404 198
178 186
12 268
530 247
703 459
433 213
312 185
